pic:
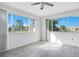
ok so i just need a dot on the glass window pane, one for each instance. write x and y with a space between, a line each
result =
32 25
20 23
9 23
67 24
50 25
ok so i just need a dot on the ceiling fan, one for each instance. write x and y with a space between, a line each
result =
42 4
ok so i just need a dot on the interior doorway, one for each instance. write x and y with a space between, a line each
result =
50 34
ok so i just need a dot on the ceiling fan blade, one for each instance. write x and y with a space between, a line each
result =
49 4
36 3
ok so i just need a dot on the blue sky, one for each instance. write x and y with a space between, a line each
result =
71 21
25 20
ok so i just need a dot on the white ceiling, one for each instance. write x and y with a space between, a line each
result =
36 11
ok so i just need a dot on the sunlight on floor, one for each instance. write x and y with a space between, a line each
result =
51 46
54 43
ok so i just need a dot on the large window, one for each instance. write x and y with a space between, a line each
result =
64 24
20 24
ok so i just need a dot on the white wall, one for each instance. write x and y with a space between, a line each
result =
70 38
43 29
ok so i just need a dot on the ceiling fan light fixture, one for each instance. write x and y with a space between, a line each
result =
43 4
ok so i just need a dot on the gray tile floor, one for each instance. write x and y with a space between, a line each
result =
43 49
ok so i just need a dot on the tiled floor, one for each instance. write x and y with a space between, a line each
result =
43 49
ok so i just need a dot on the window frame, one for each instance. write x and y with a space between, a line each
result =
22 31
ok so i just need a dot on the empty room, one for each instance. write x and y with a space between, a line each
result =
39 29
